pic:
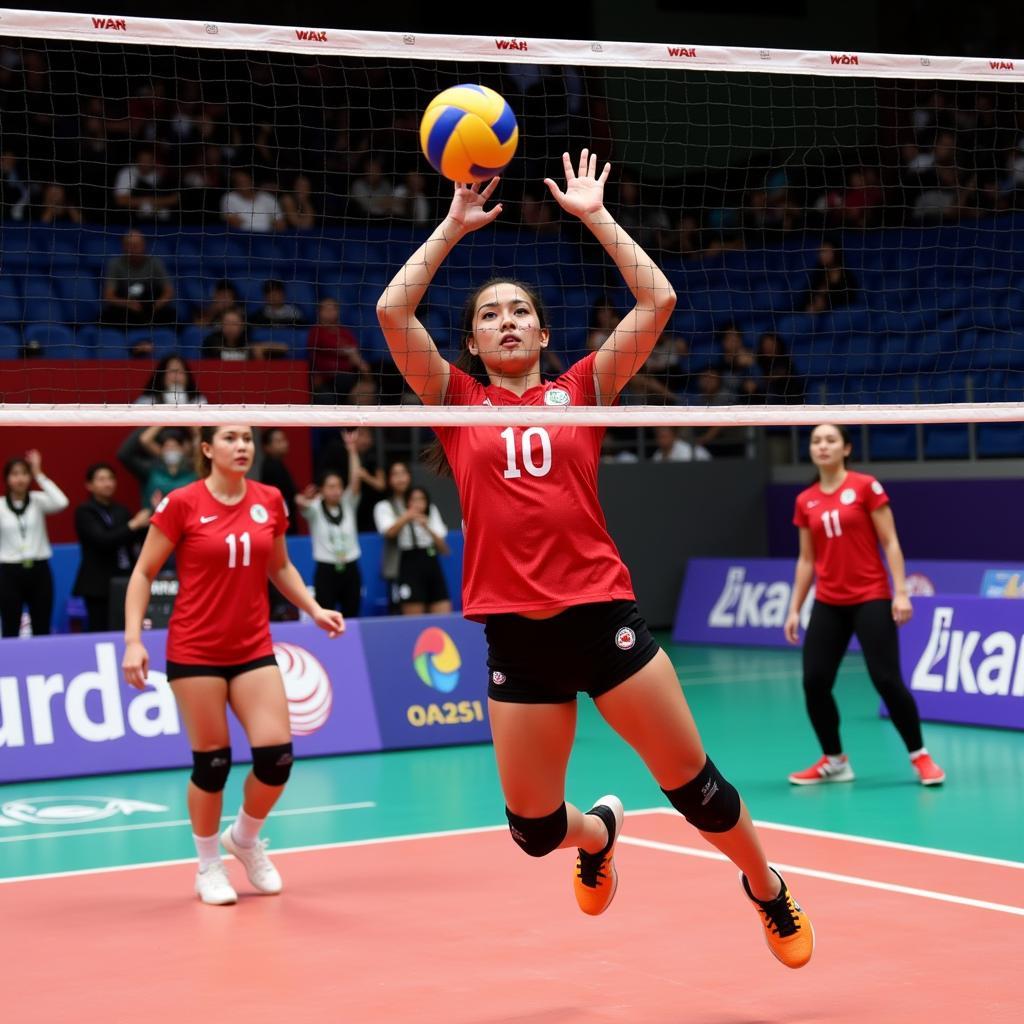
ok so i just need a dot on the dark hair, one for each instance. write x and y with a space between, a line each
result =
10 464
423 491
327 474
433 455
271 283
224 285
97 467
156 382
397 462
268 435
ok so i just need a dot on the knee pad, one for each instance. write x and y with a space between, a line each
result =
210 769
539 836
709 802
272 765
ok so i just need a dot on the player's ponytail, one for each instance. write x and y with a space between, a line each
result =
433 455
203 463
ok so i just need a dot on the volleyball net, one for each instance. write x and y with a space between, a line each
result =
842 229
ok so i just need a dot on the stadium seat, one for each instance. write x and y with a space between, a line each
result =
11 309
190 341
54 341
10 342
81 298
1000 440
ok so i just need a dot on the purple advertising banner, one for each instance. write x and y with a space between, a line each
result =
65 710
744 601
963 658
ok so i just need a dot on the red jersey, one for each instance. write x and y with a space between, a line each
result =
847 561
535 535
222 612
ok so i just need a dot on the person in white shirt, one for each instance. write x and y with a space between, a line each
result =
247 209
408 519
670 447
331 515
25 577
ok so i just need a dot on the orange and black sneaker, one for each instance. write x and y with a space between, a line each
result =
787 929
596 878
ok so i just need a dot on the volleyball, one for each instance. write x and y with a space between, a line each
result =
469 133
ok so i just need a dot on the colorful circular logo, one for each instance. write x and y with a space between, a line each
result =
307 686
437 660
625 638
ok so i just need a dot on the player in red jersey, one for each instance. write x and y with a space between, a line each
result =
227 533
842 520
542 573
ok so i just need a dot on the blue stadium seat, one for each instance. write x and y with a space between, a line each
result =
163 339
945 440
1000 440
81 298
53 250
293 337
55 341
10 342
109 343
11 310
43 311
190 341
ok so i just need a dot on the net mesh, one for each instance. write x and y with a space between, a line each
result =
841 229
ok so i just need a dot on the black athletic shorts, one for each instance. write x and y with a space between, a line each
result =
588 648
420 578
175 670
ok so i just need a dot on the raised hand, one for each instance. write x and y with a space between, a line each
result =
584 190
35 461
467 209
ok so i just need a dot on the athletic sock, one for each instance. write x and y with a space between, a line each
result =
246 829
207 849
836 760
915 754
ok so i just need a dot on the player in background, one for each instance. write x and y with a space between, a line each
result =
227 534
542 573
843 518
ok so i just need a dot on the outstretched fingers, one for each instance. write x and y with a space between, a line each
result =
604 174
554 189
491 186
570 174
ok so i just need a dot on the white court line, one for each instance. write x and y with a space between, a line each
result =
831 876
141 826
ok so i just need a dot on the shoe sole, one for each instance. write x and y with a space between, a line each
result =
933 782
774 952
820 782
229 844
614 804
215 903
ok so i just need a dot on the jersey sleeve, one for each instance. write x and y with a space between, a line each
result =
171 515
874 495
578 380
800 517
462 388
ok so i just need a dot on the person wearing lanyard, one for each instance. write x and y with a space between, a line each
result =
331 516
25 577
110 537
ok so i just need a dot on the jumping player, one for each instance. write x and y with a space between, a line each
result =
843 518
544 576
227 533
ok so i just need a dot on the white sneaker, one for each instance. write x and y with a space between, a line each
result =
213 887
262 874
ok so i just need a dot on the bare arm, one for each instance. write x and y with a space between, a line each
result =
885 527
147 439
155 551
286 578
355 465
424 368
803 577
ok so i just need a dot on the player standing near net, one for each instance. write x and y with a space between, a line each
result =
542 573
227 533
843 518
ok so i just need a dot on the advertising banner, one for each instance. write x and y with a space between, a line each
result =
744 601
963 658
66 711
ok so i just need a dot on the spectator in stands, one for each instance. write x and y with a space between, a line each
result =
14 190
780 383
110 537
298 206
536 213
670 447
171 468
604 318
334 360
54 207
667 367
832 285
333 458
737 365
416 206
231 340
860 203
274 471
225 297
718 440
143 190
640 216
246 209
943 200
25 577
276 311
373 193
138 291
172 383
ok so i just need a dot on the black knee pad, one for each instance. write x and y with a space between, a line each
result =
539 836
272 765
210 769
709 802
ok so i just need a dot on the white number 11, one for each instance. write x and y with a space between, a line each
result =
830 520
246 550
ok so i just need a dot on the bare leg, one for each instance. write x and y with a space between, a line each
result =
650 713
202 701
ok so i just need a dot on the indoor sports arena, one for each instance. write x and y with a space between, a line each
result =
410 436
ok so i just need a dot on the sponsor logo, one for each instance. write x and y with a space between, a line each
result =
307 687
765 54
556 396
70 810
211 29
110 24
259 514
950 660
449 712
90 703
682 51
763 605
1001 65
311 35
163 504
813 502
877 487
625 638
596 48
849 496
207 519
708 792
926 62
498 677
844 58
919 585
1003 583
512 44
409 40
437 660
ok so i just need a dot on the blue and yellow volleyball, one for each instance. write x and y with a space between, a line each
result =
469 133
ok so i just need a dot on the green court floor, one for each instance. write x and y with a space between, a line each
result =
747 702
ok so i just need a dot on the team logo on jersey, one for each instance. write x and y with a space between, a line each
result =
163 504
307 687
259 514
498 677
849 496
877 487
625 638
556 396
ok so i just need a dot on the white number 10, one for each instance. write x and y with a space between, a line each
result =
233 553
512 470
830 520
